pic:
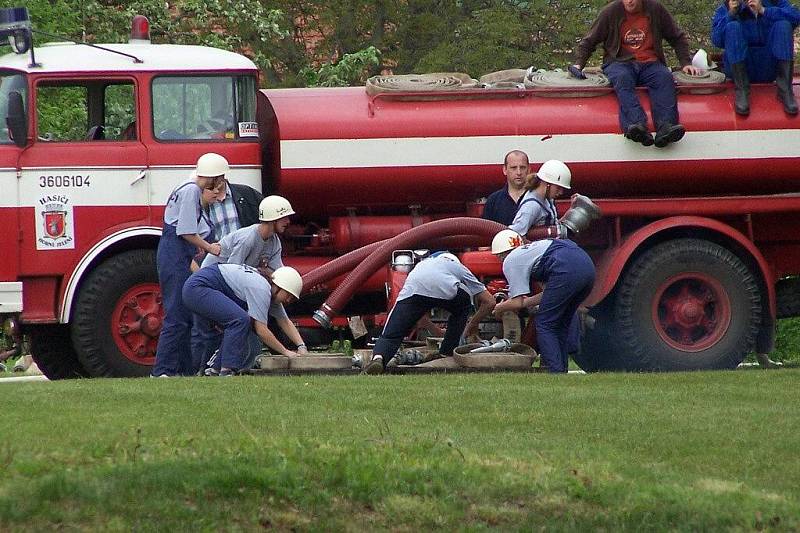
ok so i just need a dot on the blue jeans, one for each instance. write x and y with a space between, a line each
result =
760 45
405 314
173 259
568 274
625 76
207 294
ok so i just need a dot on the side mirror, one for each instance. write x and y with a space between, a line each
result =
17 120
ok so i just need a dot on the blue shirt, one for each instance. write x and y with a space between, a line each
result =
500 207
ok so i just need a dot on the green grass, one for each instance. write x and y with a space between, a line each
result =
689 451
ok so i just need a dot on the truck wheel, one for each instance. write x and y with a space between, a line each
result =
687 304
118 315
52 350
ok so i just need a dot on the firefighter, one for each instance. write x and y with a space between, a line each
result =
257 246
537 206
241 300
438 281
568 276
186 227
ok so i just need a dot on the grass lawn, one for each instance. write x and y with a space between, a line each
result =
688 451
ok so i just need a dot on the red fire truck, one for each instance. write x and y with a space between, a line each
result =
695 252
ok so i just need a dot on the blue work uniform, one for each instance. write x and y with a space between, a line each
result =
231 295
534 211
758 41
436 282
244 246
568 274
183 215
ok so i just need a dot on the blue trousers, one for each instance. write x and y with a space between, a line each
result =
405 314
760 44
206 339
207 294
173 259
568 274
626 75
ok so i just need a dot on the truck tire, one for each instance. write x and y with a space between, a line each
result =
52 350
117 316
686 304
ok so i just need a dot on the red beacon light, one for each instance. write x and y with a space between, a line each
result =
140 30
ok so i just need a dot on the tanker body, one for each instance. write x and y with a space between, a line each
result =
697 253
342 150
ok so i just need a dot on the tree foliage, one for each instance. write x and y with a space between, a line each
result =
299 42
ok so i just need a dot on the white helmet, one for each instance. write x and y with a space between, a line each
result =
447 255
506 240
273 208
211 165
556 173
288 279
403 263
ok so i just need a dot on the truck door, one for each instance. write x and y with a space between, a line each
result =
82 178
11 84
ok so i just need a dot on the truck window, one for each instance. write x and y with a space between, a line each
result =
204 107
9 83
90 111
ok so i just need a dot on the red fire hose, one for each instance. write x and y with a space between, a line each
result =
349 261
410 238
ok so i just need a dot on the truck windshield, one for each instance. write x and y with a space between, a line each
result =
215 108
10 82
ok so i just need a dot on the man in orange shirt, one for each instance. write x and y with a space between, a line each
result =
631 32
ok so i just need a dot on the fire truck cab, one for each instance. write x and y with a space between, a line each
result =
97 138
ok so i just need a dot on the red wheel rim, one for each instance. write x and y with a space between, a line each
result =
136 323
691 311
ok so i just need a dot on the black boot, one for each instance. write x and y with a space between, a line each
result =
742 89
669 133
784 82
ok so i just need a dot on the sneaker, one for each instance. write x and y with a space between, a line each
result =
211 372
228 372
23 363
160 376
669 133
375 366
638 133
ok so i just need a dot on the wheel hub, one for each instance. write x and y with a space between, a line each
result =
691 311
136 322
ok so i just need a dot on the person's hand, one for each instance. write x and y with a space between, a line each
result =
692 70
290 353
755 6
733 7
302 350
214 249
576 72
501 308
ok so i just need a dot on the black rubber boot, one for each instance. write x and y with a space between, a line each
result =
669 133
742 89
784 82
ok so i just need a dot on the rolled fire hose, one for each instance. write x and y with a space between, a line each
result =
350 260
560 79
433 82
699 84
407 239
